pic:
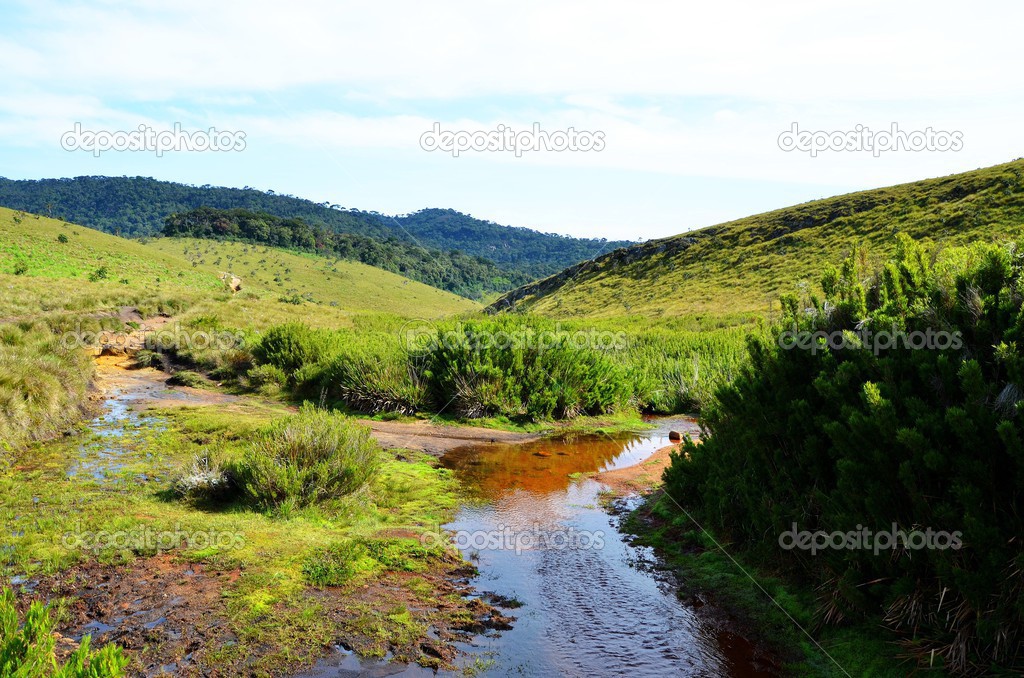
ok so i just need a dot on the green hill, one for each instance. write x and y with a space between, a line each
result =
739 266
51 266
468 276
308 279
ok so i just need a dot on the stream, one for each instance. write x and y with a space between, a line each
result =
589 602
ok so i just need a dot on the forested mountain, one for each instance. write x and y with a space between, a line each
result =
137 206
523 249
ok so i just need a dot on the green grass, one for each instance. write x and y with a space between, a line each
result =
740 267
313 280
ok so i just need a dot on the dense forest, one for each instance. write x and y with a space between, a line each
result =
137 206
452 270
521 249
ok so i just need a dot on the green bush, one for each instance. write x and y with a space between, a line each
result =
515 366
373 376
309 458
27 650
837 439
187 378
267 376
291 346
147 358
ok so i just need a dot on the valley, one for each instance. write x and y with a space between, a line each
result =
220 455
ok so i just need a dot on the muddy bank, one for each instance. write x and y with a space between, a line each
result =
437 439
168 616
117 377
644 476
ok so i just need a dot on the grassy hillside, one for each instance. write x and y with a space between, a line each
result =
50 266
309 279
737 267
465 275
39 257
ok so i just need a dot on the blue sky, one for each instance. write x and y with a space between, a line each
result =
690 98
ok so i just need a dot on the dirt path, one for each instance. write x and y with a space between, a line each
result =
436 439
116 377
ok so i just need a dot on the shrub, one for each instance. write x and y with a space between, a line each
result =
291 346
267 375
516 366
27 650
372 377
204 479
147 358
187 378
309 458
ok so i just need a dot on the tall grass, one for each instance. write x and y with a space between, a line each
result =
43 385
679 371
513 366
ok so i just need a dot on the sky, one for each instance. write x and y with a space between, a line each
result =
685 104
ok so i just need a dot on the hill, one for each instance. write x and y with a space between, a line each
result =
137 206
739 266
52 266
307 279
469 276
